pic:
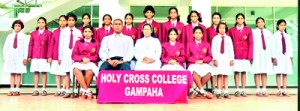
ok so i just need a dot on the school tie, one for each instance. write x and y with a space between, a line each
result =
71 40
283 44
15 41
173 24
263 40
222 45
106 31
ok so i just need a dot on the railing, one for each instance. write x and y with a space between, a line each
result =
15 8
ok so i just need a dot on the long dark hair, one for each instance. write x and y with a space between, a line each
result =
128 14
261 19
216 13
279 22
45 20
152 34
104 17
63 16
89 16
236 17
174 8
92 29
170 30
189 16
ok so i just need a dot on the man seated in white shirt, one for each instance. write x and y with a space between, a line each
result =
116 50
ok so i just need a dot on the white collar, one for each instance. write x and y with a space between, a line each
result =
239 28
118 35
130 26
198 42
107 28
87 40
41 31
149 22
195 25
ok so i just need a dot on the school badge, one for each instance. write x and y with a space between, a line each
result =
204 50
245 37
155 29
178 53
179 32
94 50
133 36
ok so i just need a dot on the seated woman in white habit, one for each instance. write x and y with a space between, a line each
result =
148 50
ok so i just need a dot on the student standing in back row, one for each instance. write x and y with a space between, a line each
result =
15 51
194 19
39 54
86 20
173 22
242 38
211 33
70 35
55 65
130 31
283 57
262 54
106 28
149 13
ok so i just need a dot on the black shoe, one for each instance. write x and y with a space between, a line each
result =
226 95
35 93
219 96
244 94
237 94
44 93
58 93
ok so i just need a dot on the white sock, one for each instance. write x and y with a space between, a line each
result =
62 90
68 91
202 91
44 89
58 90
237 90
263 90
279 91
75 90
17 89
219 91
243 90
225 91
258 90
36 89
88 90
283 90
81 89
12 89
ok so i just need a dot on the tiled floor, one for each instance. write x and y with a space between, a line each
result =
26 102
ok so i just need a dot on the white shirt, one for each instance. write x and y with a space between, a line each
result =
194 25
239 28
116 45
149 22
41 31
148 47
174 22
65 40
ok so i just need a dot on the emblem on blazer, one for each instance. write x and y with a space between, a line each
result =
178 53
133 36
245 37
179 32
94 50
155 29
204 50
